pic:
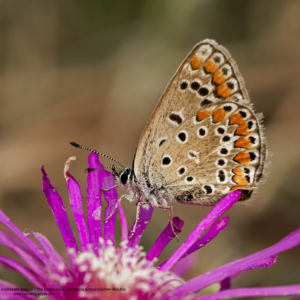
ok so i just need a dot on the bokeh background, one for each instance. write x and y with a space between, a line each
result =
92 72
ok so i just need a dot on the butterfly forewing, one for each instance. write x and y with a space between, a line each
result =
179 147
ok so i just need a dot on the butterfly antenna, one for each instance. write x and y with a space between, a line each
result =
94 151
95 169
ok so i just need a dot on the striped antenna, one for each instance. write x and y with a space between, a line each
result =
94 151
110 167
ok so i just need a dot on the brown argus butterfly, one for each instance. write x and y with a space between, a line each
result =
203 139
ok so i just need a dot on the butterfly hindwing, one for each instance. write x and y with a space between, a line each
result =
213 152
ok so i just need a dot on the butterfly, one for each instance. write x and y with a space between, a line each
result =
203 139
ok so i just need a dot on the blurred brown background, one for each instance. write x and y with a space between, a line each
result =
92 72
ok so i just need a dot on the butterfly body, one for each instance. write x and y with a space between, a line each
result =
203 139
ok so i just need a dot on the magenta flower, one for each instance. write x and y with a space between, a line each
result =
102 270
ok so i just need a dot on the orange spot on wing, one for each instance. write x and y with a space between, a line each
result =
239 187
236 119
223 90
219 115
239 177
242 129
238 171
243 158
196 62
211 67
202 114
243 142
219 77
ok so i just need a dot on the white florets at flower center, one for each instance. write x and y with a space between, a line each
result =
121 273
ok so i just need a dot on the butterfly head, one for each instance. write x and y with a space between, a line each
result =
125 175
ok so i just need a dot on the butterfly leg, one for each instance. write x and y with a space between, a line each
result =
137 216
170 208
116 206
106 190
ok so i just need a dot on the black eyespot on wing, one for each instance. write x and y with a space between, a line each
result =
190 178
252 155
230 85
225 71
166 161
221 130
245 194
224 151
236 98
192 154
195 85
226 138
250 124
161 142
205 103
183 85
252 139
182 136
189 197
216 95
246 170
217 59
201 131
227 108
175 118
208 189
221 162
248 178
243 114
203 91
181 171
221 176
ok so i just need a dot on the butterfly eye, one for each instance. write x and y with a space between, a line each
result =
124 178
124 175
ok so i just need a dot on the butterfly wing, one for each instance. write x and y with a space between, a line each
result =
213 152
207 77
